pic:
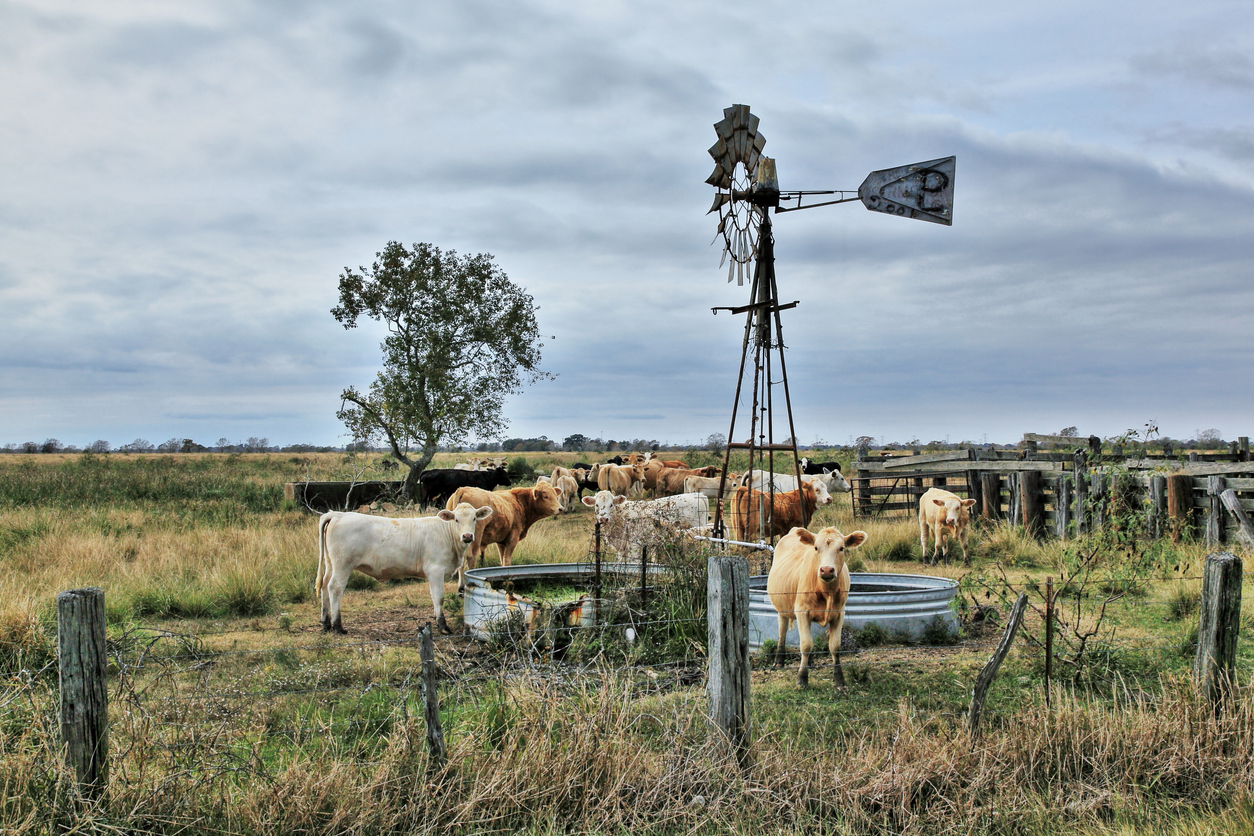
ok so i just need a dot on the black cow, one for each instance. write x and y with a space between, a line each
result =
816 468
580 466
618 460
436 486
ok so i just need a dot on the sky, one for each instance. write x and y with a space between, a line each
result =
183 184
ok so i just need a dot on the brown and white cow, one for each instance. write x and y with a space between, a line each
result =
809 584
945 516
386 548
747 506
513 513
670 480
621 480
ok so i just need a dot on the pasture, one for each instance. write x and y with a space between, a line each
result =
231 711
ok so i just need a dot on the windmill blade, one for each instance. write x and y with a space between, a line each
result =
719 199
719 179
718 149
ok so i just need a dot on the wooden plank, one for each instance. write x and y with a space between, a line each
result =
1040 438
911 461
1062 506
1245 530
989 671
1192 468
1215 515
84 689
1032 502
1179 504
947 468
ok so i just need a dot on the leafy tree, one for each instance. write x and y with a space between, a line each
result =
170 445
99 446
574 443
51 445
461 337
715 442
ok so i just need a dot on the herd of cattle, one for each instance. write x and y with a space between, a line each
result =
808 583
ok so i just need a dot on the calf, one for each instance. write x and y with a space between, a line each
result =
620 479
944 515
386 548
670 480
809 584
747 507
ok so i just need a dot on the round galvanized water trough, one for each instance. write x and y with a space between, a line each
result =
900 604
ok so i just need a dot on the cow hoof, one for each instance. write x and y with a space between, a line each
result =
443 625
339 628
803 679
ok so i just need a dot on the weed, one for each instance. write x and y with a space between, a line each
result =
937 632
872 635
1184 602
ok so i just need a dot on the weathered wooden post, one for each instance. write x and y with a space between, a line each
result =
1032 501
1243 448
1219 622
1158 504
990 487
1062 505
1215 516
1049 640
1080 465
975 489
1097 494
727 599
1179 504
431 700
84 689
989 671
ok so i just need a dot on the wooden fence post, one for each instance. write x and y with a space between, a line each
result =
990 487
1158 504
431 701
1243 448
1245 530
1179 504
1032 500
84 689
1097 498
1214 668
1214 511
1081 469
727 600
1062 505
985 679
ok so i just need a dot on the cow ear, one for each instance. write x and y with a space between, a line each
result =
483 513
939 502
804 535
619 500
967 503
855 539
590 501
446 515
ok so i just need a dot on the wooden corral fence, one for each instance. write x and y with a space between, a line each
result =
1068 494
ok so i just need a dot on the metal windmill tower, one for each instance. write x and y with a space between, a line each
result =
747 190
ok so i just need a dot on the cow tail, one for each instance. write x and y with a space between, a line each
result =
324 570
737 512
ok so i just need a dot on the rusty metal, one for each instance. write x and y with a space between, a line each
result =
923 191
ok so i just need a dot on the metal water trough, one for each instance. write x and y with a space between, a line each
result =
485 602
906 604
897 603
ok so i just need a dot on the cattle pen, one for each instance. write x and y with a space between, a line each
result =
1070 494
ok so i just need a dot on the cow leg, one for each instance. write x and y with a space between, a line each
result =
923 535
506 550
937 553
807 647
962 541
783 640
833 646
335 592
436 585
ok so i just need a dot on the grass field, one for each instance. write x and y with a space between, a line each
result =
232 712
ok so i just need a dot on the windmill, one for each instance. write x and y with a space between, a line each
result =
747 189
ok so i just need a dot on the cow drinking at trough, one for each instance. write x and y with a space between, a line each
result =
386 548
945 516
809 584
514 512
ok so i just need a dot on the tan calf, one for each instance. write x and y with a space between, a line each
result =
945 516
809 584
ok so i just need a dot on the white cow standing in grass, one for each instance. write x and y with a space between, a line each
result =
385 548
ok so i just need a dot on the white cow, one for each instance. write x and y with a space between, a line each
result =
629 525
760 480
386 548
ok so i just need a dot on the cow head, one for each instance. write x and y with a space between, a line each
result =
956 513
821 495
831 546
465 516
603 503
836 480
502 476
547 500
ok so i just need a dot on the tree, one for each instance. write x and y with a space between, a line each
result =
99 446
575 443
170 445
461 337
715 442
51 445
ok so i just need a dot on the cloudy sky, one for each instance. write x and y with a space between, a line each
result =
183 183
